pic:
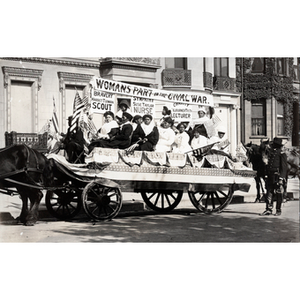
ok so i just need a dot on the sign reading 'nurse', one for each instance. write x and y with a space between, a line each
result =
99 85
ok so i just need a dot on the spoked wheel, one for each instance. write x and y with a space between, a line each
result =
162 201
64 204
101 202
212 201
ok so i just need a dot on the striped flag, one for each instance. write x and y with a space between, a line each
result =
78 106
202 150
87 126
54 118
92 127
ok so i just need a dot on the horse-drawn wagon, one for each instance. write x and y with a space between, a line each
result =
160 178
98 184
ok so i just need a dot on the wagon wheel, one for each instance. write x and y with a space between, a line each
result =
101 202
212 201
64 204
162 201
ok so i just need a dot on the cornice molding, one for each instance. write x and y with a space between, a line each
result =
73 77
23 73
155 61
53 61
130 64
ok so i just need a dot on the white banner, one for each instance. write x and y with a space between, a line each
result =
100 85
181 113
142 106
104 102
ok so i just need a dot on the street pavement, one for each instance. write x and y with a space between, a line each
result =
239 222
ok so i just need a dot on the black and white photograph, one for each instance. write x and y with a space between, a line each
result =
178 143
179 161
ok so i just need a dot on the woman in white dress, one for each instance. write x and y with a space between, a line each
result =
221 140
109 129
199 121
181 143
198 140
166 136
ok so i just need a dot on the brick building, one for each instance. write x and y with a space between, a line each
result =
269 90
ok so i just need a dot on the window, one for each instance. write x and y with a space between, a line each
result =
221 67
258 65
296 73
258 117
280 119
282 66
176 63
22 105
22 86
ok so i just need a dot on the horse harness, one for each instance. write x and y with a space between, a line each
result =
25 170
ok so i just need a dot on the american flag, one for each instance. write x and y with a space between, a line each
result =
202 150
87 125
54 118
78 106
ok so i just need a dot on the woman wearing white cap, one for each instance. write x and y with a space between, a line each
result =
198 123
220 138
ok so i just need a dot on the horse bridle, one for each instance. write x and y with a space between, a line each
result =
26 169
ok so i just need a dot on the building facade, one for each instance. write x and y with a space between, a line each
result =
269 90
29 85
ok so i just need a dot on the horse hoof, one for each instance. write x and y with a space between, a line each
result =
20 220
29 223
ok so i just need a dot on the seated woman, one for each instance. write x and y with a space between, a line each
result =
109 129
181 143
221 141
122 140
149 135
198 140
137 129
166 136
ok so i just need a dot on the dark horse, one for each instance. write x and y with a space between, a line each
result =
28 171
257 155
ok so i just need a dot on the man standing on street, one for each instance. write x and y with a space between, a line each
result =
276 175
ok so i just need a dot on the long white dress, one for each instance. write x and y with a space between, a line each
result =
198 121
219 146
199 142
106 128
181 143
166 139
